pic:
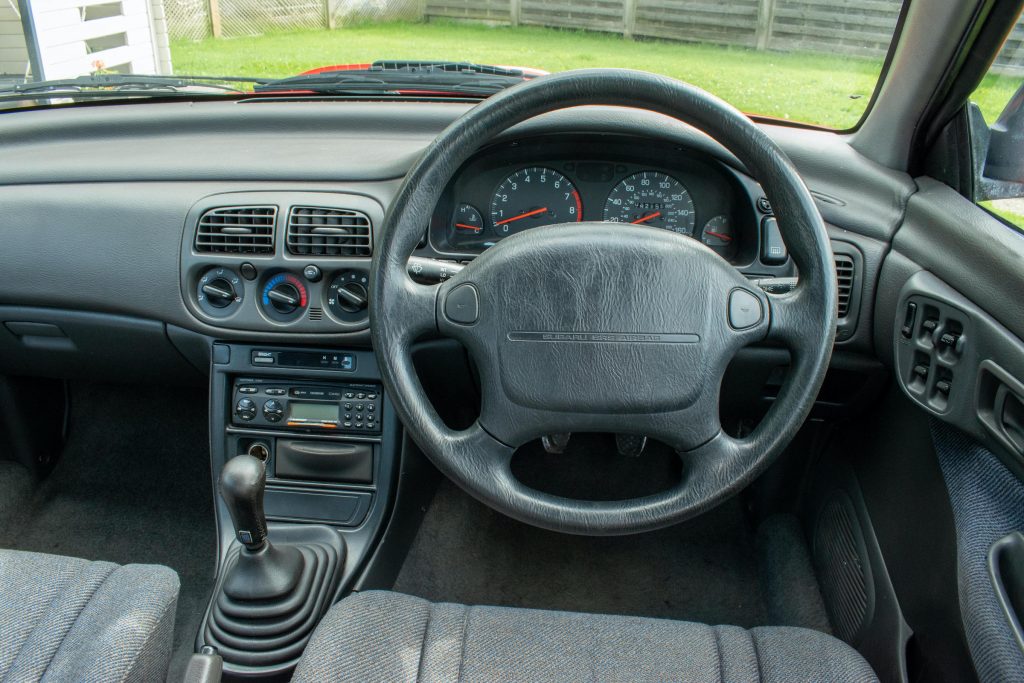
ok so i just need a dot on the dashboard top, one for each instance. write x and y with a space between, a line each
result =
110 226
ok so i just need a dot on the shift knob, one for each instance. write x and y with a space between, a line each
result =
242 482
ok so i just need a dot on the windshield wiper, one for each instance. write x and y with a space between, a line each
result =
118 85
390 77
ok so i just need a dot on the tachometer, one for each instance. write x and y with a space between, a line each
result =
532 197
651 198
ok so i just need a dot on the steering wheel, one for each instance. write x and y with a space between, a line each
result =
587 327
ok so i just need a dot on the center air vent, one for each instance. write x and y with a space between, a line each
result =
237 230
845 276
315 231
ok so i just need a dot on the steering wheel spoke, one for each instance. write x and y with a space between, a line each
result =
413 311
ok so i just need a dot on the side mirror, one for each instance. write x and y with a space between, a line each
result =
1005 158
998 163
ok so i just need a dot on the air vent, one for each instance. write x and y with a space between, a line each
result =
315 231
237 230
845 276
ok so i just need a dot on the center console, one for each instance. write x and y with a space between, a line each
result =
319 448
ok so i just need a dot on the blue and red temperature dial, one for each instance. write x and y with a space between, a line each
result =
284 297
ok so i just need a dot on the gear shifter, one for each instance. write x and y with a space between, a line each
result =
242 482
271 593
263 571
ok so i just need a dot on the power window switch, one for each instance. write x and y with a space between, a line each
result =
908 321
943 387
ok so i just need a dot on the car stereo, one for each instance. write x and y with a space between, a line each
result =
312 406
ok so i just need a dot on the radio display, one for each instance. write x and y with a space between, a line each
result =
314 412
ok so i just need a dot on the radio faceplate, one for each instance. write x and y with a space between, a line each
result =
306 406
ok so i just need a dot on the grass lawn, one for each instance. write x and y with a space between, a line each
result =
1005 210
828 90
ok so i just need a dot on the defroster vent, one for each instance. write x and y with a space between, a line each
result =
237 230
316 231
845 276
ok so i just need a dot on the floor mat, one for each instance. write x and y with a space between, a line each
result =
713 569
705 570
132 485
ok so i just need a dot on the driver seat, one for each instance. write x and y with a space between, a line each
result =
384 636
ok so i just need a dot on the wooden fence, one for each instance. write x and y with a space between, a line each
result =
861 27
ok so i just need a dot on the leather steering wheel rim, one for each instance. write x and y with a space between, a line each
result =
679 337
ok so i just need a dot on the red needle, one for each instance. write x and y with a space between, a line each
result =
522 215
648 217
724 238
468 227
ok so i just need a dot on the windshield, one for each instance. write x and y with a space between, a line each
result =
810 61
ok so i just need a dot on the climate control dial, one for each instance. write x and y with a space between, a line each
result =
219 291
348 296
284 297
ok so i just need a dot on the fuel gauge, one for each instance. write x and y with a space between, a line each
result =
718 234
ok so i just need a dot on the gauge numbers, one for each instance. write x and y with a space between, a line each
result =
532 197
651 198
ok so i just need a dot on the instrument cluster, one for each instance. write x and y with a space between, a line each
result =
514 187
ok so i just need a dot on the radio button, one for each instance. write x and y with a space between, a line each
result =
372 397
349 394
247 389
273 411
276 391
245 409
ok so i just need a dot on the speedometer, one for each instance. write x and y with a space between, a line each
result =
651 198
532 197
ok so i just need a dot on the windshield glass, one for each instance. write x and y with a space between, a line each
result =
811 61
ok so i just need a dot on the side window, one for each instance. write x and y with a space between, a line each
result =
997 127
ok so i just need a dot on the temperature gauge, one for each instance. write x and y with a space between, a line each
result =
718 234
467 226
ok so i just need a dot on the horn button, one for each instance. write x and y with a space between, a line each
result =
600 318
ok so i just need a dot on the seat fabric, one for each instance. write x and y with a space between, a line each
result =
382 636
68 619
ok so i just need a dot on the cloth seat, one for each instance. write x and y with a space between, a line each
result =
68 619
383 636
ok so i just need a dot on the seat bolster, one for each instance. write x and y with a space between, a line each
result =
786 653
84 620
382 636
123 629
367 637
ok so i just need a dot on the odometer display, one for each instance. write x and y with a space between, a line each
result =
532 197
651 198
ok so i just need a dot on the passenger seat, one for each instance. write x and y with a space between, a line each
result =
68 619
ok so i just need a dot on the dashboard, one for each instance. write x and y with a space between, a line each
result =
201 238
515 186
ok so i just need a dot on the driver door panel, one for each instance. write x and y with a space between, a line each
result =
949 319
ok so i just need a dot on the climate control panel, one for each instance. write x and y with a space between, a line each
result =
297 299
280 261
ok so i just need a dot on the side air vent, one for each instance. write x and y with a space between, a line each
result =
315 231
237 230
845 276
